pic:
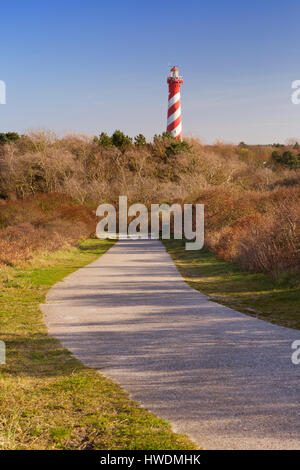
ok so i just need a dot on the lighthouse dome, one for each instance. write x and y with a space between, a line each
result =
174 72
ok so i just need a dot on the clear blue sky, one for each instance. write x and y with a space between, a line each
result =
90 65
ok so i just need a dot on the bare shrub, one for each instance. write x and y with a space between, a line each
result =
252 205
42 223
269 239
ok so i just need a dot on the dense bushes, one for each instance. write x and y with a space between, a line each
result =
287 158
251 193
100 169
45 222
261 231
8 137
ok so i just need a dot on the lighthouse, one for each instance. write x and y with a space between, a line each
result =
174 109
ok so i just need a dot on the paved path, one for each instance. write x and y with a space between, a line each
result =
222 377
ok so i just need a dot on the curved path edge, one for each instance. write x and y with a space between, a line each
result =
224 378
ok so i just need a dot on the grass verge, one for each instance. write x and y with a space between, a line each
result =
49 399
226 283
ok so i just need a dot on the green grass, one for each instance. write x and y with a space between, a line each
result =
49 399
253 293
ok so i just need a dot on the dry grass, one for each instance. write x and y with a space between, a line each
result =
49 399
225 282
252 203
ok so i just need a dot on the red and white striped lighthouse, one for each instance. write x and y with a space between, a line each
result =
174 109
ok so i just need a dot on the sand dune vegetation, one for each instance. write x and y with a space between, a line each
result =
50 186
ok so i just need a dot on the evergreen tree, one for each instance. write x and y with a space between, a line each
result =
120 140
105 140
140 140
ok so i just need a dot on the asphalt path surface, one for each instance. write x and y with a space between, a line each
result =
224 378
